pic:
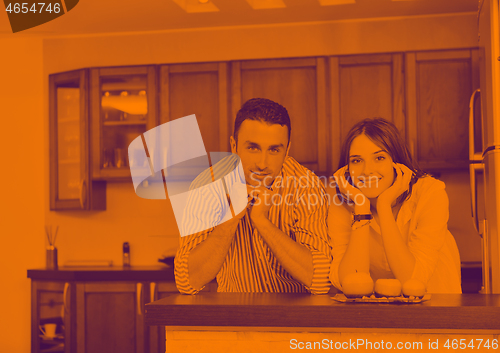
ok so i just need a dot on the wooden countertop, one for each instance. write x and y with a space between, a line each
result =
443 311
111 273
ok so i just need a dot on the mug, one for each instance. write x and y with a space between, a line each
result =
48 330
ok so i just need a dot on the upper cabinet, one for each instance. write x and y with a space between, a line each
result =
300 86
364 86
200 89
123 106
70 185
439 86
96 113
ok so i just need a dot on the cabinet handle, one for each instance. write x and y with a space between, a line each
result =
474 163
65 293
83 193
473 156
152 291
139 298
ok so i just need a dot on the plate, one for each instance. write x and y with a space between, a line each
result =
340 297
56 337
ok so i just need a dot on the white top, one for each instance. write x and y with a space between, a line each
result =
422 221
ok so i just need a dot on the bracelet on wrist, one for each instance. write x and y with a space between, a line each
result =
361 217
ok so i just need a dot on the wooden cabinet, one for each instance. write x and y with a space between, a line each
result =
300 86
123 106
438 88
200 89
71 187
364 86
51 304
110 317
98 309
425 94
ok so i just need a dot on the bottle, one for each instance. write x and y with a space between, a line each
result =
126 255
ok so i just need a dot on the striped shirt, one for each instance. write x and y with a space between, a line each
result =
250 265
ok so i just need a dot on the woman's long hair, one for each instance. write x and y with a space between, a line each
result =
384 134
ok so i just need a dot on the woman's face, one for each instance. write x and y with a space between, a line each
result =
370 166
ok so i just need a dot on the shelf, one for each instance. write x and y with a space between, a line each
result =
124 123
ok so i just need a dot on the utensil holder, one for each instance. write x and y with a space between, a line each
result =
51 258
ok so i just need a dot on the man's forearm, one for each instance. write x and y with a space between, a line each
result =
206 259
295 258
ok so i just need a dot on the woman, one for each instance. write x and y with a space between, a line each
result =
389 218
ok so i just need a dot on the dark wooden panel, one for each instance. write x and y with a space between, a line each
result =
110 322
295 89
365 92
443 90
442 311
116 273
197 93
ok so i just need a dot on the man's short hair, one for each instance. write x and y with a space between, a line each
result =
265 110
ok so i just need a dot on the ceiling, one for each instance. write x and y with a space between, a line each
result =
112 16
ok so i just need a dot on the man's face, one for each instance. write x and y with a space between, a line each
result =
262 149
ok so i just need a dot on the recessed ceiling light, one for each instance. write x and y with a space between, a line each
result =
266 4
191 6
336 2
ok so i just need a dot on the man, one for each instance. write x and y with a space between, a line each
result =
279 242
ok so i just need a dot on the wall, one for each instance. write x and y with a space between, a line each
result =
23 184
148 225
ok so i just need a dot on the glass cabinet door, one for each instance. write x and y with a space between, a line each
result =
123 107
69 162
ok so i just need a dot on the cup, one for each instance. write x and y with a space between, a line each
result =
48 330
51 258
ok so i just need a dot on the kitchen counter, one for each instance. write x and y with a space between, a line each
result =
108 273
266 322
448 311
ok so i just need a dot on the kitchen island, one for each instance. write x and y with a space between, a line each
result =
268 322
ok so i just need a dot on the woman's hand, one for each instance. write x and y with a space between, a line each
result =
399 186
350 192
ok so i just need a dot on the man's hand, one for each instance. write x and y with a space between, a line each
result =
263 199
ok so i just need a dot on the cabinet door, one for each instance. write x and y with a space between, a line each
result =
199 89
300 86
439 87
70 186
110 317
51 306
123 106
364 86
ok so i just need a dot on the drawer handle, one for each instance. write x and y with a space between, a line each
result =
152 291
65 293
83 194
139 298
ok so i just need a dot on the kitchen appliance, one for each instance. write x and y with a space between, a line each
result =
484 157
